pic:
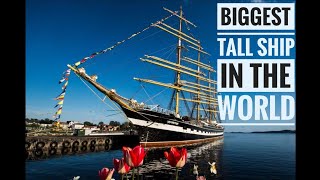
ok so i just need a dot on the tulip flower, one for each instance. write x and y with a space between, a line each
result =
106 174
134 157
213 167
121 166
177 158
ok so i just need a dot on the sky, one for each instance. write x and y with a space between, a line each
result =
63 32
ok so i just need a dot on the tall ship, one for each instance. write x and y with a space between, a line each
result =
193 86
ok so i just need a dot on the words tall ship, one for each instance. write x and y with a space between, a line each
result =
157 125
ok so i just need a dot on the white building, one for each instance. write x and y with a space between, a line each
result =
77 125
45 125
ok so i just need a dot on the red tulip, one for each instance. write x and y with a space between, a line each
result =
106 174
133 157
177 158
121 166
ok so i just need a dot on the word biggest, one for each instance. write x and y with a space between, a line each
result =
255 16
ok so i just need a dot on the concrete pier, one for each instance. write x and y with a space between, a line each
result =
50 146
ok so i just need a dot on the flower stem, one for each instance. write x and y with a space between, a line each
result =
133 173
138 173
121 176
177 173
127 176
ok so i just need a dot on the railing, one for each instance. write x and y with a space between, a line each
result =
156 108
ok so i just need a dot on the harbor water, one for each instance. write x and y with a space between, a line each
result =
237 156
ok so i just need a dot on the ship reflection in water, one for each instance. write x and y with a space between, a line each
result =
157 167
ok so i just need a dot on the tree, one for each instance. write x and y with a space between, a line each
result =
100 125
114 123
126 126
34 120
87 123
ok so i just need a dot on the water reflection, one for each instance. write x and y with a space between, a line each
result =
157 167
240 156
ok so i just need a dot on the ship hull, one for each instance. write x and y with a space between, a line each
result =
155 127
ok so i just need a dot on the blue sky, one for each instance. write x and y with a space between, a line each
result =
63 32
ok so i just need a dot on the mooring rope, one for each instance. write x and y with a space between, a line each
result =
146 139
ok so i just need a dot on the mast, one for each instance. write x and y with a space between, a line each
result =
215 108
178 62
210 112
198 82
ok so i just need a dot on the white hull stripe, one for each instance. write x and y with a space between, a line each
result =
174 128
